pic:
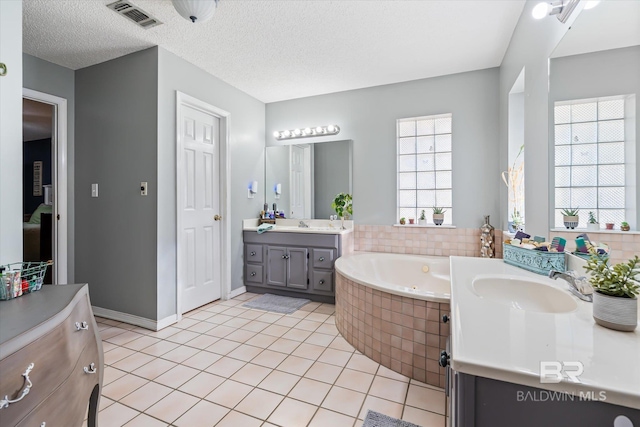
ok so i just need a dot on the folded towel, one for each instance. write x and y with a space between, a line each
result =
265 227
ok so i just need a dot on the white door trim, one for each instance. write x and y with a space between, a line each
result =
59 182
224 194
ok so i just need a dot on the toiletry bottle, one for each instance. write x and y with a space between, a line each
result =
275 207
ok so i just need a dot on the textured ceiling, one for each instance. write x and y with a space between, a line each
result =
282 49
612 24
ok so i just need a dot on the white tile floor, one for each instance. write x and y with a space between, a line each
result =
226 365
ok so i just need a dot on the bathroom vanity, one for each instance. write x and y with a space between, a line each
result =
507 326
295 261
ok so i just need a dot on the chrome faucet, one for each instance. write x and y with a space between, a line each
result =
573 282
303 224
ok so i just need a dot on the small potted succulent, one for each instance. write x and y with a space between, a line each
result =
624 226
615 300
570 218
423 218
343 205
592 223
402 221
438 215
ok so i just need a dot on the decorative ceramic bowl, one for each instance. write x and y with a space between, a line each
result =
571 221
438 219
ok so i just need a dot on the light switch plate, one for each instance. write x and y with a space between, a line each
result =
94 190
143 188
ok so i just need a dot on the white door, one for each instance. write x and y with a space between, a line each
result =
300 181
199 205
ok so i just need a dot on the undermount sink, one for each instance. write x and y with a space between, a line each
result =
523 294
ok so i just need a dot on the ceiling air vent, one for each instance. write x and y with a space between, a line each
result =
134 13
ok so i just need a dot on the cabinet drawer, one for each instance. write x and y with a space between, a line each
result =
253 253
68 404
53 357
254 273
322 258
322 280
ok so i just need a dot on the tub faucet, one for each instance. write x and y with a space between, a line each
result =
303 224
573 282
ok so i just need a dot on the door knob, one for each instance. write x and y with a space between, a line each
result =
217 218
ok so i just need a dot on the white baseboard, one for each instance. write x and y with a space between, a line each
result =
143 322
239 291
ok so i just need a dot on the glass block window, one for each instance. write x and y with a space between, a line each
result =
424 166
590 159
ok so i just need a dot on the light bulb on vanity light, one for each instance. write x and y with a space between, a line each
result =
276 134
307 131
297 132
331 128
591 4
287 133
319 129
541 10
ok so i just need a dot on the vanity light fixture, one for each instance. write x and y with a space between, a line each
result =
196 11
307 132
591 4
562 9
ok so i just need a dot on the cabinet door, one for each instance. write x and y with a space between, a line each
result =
297 268
277 266
253 253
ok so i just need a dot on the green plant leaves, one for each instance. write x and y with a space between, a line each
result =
621 280
343 204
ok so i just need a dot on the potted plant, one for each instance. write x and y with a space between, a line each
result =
609 225
570 218
624 226
423 218
411 220
438 215
343 205
592 223
402 221
615 300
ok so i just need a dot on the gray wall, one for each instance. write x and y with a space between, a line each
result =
55 80
610 72
368 117
117 133
11 132
530 47
247 163
332 175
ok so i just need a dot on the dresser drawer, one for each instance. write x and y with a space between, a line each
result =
53 356
322 258
68 404
253 253
322 280
254 273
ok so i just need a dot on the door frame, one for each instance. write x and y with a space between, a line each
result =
223 195
59 178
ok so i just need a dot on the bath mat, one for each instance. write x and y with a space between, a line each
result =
376 419
269 302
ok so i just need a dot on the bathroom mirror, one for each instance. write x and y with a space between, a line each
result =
303 178
593 123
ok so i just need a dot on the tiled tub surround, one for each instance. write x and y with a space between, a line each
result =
403 334
417 240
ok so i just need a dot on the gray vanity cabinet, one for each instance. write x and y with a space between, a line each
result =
291 264
287 267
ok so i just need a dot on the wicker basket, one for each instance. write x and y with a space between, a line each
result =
540 262
21 278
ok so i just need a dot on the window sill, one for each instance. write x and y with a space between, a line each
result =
584 230
424 226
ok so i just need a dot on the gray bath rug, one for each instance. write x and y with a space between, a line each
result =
376 419
269 302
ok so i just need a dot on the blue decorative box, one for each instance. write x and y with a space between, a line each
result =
540 262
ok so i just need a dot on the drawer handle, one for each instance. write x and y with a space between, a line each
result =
91 369
4 403
321 281
82 326
253 273
253 253
321 259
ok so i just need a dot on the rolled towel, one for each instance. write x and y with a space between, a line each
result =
265 227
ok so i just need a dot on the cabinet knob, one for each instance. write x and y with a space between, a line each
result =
321 259
253 273
445 318
444 359
82 326
253 253
321 281
91 369
285 256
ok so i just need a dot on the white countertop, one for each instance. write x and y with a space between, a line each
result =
316 226
493 340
